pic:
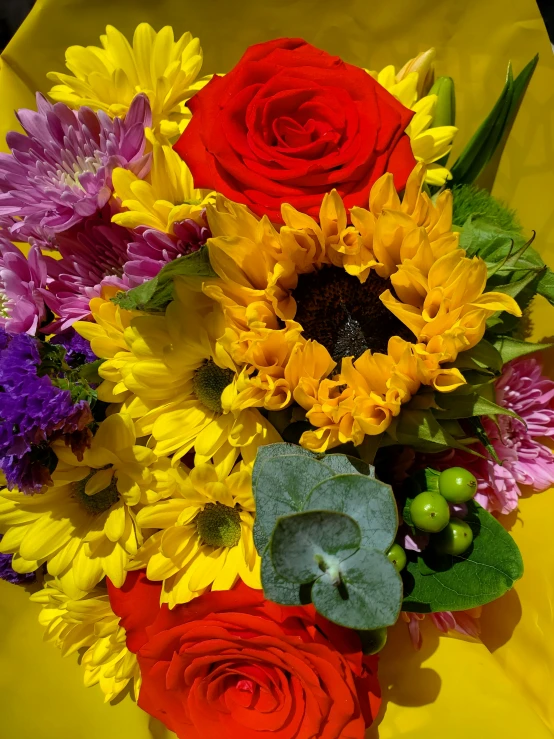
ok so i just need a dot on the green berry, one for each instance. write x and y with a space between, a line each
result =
457 485
455 538
397 556
430 512
373 641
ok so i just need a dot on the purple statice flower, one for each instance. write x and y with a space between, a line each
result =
151 249
524 458
77 349
93 254
33 412
60 172
8 573
22 307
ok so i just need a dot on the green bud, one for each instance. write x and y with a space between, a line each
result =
445 112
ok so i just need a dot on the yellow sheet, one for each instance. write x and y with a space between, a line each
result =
502 687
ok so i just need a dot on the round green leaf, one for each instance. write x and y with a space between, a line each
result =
369 502
277 588
306 544
370 594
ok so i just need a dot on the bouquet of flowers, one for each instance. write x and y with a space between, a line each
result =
265 387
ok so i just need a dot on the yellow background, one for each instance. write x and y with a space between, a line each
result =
502 687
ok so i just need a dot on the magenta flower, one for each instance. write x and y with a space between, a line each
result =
60 172
22 280
525 459
151 249
93 254
464 622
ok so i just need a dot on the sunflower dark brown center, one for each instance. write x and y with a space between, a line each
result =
345 315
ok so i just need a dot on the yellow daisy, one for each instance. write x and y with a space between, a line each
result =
171 374
84 525
89 623
350 314
205 539
411 86
165 198
108 77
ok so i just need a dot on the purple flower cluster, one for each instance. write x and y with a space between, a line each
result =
59 173
77 349
33 412
8 573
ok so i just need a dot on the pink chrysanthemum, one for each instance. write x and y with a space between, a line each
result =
60 172
21 281
525 459
464 622
93 254
151 249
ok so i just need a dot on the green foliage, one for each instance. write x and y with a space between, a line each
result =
323 526
489 568
490 133
153 296
510 348
474 202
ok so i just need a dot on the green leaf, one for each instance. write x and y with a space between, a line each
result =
445 109
304 545
466 405
420 429
484 356
486 571
281 483
89 371
155 294
488 136
343 464
546 285
370 595
369 502
514 289
510 348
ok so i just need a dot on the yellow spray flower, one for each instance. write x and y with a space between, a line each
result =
165 198
89 623
84 525
205 539
410 86
171 374
350 314
108 77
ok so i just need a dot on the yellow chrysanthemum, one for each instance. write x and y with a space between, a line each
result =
165 198
170 374
84 525
384 302
410 86
205 539
89 623
108 77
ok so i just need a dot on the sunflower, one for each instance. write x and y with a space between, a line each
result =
205 539
166 198
107 78
84 525
411 86
350 315
170 375
89 623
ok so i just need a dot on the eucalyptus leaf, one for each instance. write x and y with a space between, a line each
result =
275 587
368 501
303 545
370 596
345 464
281 483
486 571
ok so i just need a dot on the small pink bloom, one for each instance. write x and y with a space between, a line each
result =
21 280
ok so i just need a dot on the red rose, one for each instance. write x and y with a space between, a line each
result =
288 124
231 664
